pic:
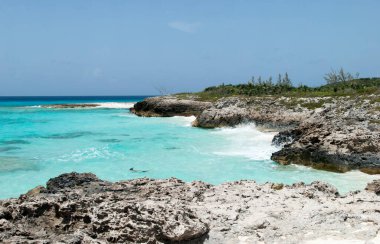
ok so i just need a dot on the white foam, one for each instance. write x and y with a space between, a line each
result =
247 141
114 105
180 120
88 154
187 121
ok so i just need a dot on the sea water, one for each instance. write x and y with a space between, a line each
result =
38 143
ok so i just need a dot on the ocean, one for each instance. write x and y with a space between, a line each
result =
38 143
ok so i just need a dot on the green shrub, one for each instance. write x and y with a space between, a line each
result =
347 88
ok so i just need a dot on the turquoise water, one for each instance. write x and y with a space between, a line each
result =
39 143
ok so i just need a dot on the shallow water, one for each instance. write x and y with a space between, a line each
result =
39 143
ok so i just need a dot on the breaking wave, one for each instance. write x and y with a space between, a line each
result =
114 105
247 141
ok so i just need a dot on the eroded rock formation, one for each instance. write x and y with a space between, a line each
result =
169 106
80 208
339 136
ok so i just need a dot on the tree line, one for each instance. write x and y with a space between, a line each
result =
281 81
334 77
337 82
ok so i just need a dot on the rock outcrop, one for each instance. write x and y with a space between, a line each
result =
80 208
264 111
337 134
169 106
76 208
374 186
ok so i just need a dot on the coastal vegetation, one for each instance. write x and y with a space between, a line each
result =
338 83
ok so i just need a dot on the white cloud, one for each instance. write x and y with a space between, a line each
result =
185 26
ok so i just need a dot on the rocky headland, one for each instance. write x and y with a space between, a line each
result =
169 106
80 208
330 133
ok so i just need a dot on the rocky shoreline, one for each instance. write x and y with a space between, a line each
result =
330 133
80 208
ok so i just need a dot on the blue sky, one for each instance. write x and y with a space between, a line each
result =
137 47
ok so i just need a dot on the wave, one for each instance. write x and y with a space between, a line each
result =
111 105
90 153
114 105
247 141
183 120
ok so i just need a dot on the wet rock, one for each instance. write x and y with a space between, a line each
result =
286 137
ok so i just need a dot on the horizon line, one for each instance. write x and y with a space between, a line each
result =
79 95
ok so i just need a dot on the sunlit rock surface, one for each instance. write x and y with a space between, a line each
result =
80 208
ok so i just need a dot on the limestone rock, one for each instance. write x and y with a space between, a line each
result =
70 180
80 208
374 186
169 106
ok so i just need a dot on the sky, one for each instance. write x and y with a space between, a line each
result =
77 47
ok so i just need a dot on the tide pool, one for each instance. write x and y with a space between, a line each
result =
39 143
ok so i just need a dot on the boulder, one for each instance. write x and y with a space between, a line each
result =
70 180
374 186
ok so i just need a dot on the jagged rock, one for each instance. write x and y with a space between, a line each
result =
230 116
286 137
336 138
169 106
173 211
122 212
277 186
374 186
70 180
264 112
36 190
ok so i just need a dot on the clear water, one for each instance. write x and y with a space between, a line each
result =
39 143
